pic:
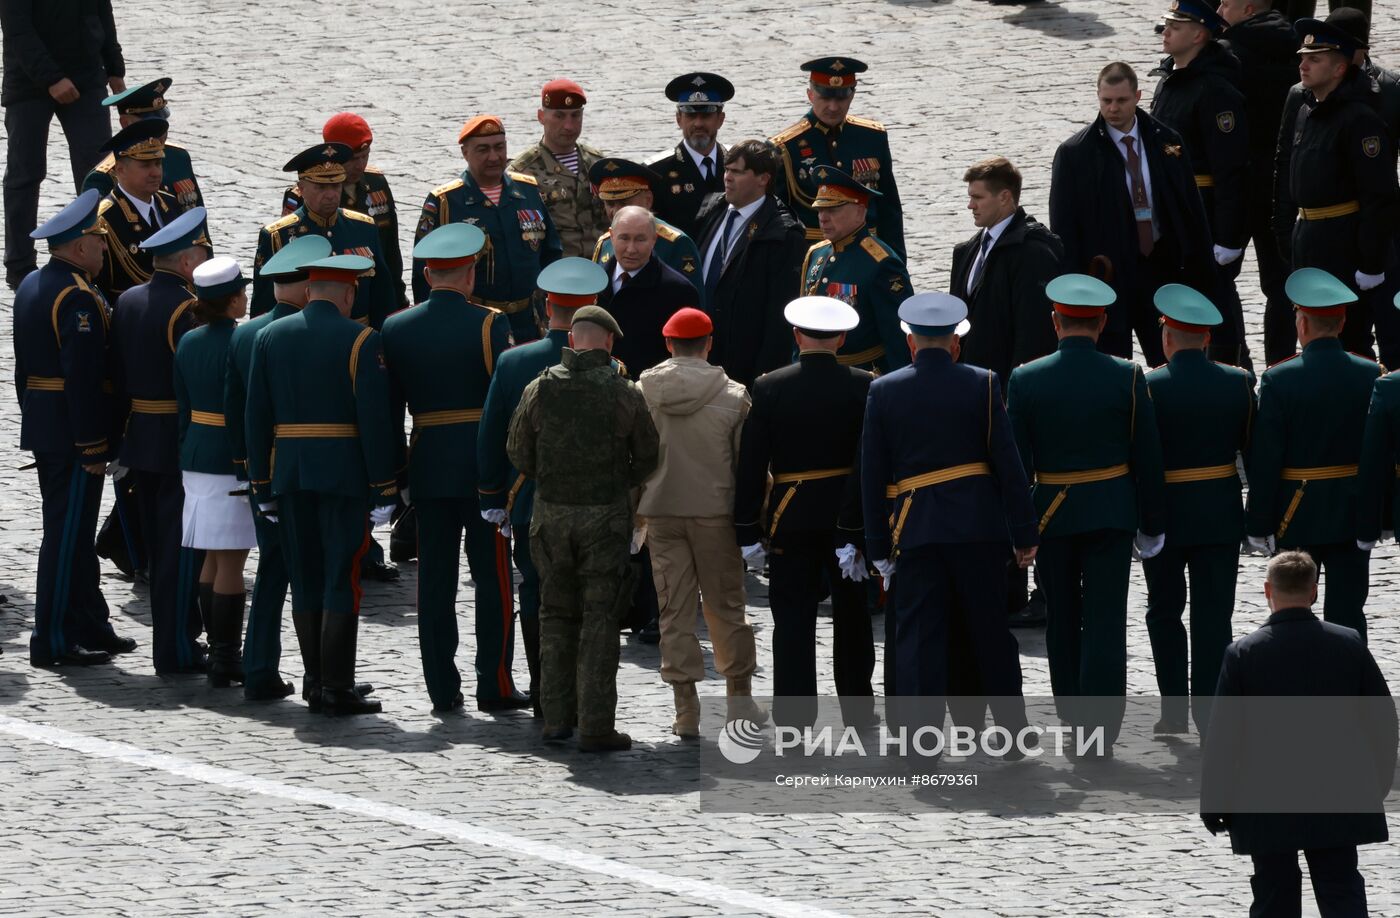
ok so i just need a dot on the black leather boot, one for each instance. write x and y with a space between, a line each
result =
530 634
226 639
338 690
308 628
206 609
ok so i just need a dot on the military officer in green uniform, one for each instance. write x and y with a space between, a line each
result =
1378 508
262 644
584 433
136 208
441 355
560 166
828 135
695 169
1205 412
620 183
861 270
365 190
318 394
520 235
320 174
507 497
1303 484
142 103
1087 435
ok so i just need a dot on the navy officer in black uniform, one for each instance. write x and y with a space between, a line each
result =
695 169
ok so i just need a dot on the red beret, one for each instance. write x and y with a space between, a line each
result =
562 94
687 323
349 129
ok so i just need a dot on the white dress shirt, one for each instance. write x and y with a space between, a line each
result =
619 273
746 214
147 209
716 166
1117 137
979 258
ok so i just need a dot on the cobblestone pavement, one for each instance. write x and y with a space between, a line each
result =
129 794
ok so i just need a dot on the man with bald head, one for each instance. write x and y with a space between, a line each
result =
642 292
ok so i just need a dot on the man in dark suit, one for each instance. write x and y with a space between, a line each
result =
1294 654
751 250
1148 229
642 293
694 170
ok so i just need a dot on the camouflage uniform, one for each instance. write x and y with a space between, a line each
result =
577 213
584 434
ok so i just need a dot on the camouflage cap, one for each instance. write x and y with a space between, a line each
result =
598 316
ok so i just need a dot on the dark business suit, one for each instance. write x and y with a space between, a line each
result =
641 307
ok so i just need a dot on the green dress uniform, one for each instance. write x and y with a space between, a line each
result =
520 241
441 355
371 196
575 210
318 395
262 643
147 102
1205 413
865 273
673 247
584 433
1378 508
1306 451
349 233
1087 434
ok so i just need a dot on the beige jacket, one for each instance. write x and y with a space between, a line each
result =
699 413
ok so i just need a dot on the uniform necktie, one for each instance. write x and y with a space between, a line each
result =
1140 202
709 165
716 266
981 263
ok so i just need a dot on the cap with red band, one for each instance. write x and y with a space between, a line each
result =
834 76
572 282
344 269
453 246
1079 295
1318 293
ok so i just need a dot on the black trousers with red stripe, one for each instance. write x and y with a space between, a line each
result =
324 537
441 523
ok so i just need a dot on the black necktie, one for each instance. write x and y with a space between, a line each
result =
709 165
716 266
981 264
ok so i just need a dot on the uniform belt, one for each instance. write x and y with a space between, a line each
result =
869 355
1201 473
915 482
1073 478
1303 476
519 483
44 383
207 418
1327 213
815 234
315 430
506 306
1205 181
154 406
443 418
794 479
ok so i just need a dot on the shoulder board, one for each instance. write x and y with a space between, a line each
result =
105 205
817 245
528 156
591 151
1284 360
375 170
874 249
522 177
106 165
1363 357
275 225
865 123
356 215
453 185
790 132
174 146
667 231
598 246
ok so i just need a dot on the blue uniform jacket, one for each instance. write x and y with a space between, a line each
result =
146 328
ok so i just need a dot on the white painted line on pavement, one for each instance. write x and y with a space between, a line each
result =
701 890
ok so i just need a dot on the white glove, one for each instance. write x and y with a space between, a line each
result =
494 517
851 563
1367 281
380 515
1146 546
1258 546
1365 546
403 496
269 511
1224 256
639 538
886 569
116 471
754 556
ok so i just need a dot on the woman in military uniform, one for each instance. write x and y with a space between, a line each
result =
216 521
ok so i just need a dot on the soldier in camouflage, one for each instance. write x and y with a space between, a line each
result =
584 434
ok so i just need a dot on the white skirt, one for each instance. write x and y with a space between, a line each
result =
213 517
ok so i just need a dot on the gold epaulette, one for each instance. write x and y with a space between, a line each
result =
522 177
281 224
814 246
453 185
874 249
105 205
789 132
865 123
666 231
174 146
356 215
598 247
374 169
107 163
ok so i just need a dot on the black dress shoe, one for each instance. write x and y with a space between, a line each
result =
342 703
452 705
75 655
271 690
650 633
512 702
378 570
1032 616
1165 727
116 644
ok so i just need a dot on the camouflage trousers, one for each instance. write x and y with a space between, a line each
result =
585 586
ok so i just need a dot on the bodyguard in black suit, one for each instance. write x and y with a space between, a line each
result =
1135 240
695 169
1295 654
642 293
751 249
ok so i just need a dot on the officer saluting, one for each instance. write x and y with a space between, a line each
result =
860 270
828 136
695 170
319 395
1303 488
1205 413
136 207
441 355
1087 434
60 336
320 176
620 183
262 646
147 103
